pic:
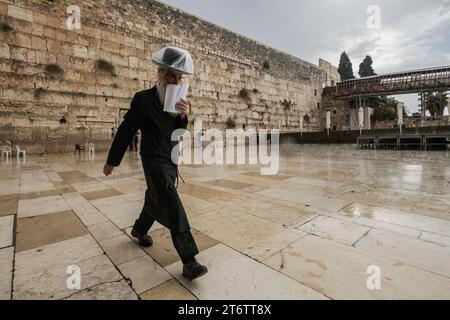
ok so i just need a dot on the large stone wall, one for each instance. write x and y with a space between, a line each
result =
332 74
238 82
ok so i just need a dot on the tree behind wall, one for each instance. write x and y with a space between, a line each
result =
385 110
345 67
436 103
365 68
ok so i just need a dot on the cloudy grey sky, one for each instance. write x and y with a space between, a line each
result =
413 33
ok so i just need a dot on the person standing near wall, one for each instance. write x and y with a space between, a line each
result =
162 202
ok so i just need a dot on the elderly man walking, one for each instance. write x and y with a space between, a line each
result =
162 202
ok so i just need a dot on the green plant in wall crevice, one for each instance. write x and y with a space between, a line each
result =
5 27
54 71
104 66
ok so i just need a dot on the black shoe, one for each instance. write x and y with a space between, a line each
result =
193 270
144 240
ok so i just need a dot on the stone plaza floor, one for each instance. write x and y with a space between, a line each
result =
316 230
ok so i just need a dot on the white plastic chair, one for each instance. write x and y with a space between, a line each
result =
20 151
5 150
91 148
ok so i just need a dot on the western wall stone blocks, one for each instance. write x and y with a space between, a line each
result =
3 8
214 87
83 40
81 64
38 43
141 54
127 51
53 46
49 32
123 71
92 32
130 41
147 65
129 24
80 51
72 37
24 95
4 51
87 88
95 42
39 18
105 55
89 77
53 85
20 13
110 46
37 29
54 22
19 54
22 26
119 60
104 91
92 53
88 101
31 56
140 44
65 99
41 57
142 75
120 93
22 40
133 73
133 62
5 67
108 36
61 35
66 48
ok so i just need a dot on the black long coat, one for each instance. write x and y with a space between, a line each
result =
161 198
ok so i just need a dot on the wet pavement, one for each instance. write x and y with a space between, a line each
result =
313 231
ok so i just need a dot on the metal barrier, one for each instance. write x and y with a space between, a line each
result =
405 141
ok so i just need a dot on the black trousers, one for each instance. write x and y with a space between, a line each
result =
183 242
162 197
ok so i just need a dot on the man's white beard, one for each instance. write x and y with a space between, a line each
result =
161 87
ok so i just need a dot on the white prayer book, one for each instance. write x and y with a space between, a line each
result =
174 93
